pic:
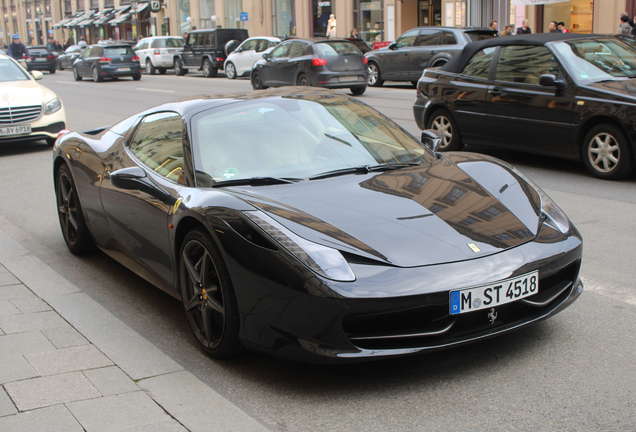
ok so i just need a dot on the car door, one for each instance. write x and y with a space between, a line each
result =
426 45
271 71
138 218
289 68
188 49
83 63
244 56
521 112
394 62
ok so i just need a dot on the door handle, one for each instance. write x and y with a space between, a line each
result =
495 91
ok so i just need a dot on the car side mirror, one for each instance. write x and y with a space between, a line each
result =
393 45
37 75
266 56
135 178
549 80
432 139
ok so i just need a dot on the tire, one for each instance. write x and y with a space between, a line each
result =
208 297
137 77
96 76
357 91
178 68
230 47
76 75
375 77
69 211
208 70
52 71
257 81
162 71
606 152
442 121
50 141
303 80
150 69
230 70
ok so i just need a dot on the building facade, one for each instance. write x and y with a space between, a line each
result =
375 20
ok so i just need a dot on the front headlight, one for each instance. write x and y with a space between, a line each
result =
325 261
54 106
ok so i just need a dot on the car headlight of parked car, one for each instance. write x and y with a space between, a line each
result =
325 261
53 106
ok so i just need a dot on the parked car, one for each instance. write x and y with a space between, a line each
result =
406 58
28 110
66 60
107 61
304 223
157 52
565 95
329 63
241 61
41 59
206 50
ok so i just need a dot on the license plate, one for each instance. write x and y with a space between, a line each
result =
40 59
123 69
488 296
348 78
15 130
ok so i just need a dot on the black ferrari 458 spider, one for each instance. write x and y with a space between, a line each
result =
303 223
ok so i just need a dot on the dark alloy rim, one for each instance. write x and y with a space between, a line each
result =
207 68
202 294
257 80
303 81
67 207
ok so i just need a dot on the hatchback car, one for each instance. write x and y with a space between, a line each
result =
107 61
66 59
563 95
333 63
157 52
41 59
28 111
242 59
418 49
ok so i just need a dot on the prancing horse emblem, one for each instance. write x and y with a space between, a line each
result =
492 315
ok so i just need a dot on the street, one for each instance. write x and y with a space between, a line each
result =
572 372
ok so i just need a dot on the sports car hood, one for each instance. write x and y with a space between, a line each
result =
459 207
24 93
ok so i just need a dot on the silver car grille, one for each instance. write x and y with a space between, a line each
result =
19 114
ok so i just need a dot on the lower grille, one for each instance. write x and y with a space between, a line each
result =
19 114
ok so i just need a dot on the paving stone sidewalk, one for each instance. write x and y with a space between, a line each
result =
67 364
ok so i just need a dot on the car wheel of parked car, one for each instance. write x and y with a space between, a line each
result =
606 152
375 79
208 296
208 70
69 210
162 71
230 70
303 80
96 76
357 91
137 77
257 81
178 68
76 75
150 68
443 122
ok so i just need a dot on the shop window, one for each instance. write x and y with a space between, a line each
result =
283 17
430 12
321 10
371 20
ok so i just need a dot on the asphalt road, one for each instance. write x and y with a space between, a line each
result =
575 371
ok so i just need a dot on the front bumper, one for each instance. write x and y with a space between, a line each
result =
47 126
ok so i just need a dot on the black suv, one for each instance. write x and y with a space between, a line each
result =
206 50
406 58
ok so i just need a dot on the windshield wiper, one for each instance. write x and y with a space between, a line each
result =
363 169
337 139
256 181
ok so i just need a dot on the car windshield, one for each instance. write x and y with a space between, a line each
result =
330 49
38 51
298 137
9 71
167 43
118 51
593 60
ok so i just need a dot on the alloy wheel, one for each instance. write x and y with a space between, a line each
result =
67 208
604 152
230 70
443 125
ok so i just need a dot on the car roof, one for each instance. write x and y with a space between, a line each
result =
215 30
457 63
464 29
119 45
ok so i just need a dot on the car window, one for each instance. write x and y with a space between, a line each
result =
448 38
38 51
72 49
428 37
250 45
297 49
262 45
205 39
9 71
475 36
272 44
407 39
280 51
525 64
158 144
141 45
479 65
326 49
167 43
118 51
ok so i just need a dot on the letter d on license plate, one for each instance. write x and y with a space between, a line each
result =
495 294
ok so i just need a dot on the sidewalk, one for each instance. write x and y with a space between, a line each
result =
67 364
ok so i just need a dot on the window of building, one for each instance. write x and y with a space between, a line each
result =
371 21
94 4
479 65
184 12
430 12
321 10
206 11
283 17
233 9
80 5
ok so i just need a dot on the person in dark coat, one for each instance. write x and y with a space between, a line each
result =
524 29
17 50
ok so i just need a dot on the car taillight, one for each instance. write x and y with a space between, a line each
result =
219 59
364 60
105 60
135 58
319 62
50 57
157 51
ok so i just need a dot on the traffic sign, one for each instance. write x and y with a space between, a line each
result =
243 16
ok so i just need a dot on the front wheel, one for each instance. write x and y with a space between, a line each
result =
606 152
208 296
230 70
357 91
375 78
208 70
69 210
76 75
303 81
178 68
443 122
150 68
257 81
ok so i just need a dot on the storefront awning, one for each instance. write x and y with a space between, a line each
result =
80 18
141 7
120 19
121 14
66 20
537 2
102 16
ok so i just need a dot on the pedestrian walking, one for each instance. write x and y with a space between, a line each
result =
17 50
624 27
553 27
563 28
493 25
507 31
524 29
